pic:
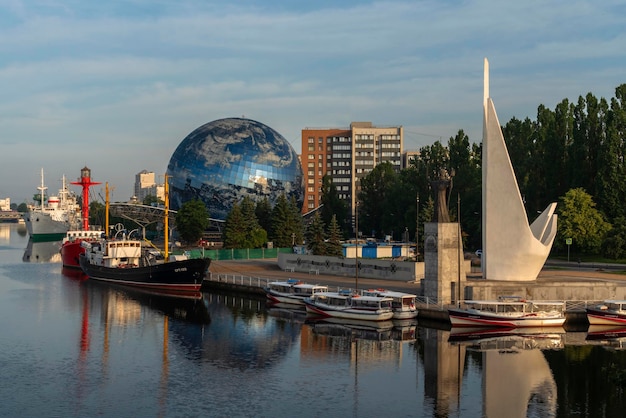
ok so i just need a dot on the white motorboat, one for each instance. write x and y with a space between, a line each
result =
512 313
403 304
610 312
348 305
292 291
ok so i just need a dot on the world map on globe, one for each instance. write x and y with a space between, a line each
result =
223 161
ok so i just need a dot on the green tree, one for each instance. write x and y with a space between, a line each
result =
614 245
580 221
333 205
234 234
287 224
263 212
97 213
333 245
256 236
315 236
152 199
191 220
374 200
22 207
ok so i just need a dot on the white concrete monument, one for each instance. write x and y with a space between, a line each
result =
513 250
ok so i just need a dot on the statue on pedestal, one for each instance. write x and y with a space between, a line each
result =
441 186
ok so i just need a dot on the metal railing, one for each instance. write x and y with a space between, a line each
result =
422 302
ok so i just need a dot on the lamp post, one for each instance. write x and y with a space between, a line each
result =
458 248
417 229
356 248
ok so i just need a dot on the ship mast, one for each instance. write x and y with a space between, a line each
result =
106 209
166 228
86 183
42 189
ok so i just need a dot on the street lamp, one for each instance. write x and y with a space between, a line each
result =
356 248
417 229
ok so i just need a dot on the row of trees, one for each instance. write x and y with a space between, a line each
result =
252 224
573 155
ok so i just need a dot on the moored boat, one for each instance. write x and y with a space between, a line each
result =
348 305
292 291
71 248
403 304
50 221
610 312
122 261
512 313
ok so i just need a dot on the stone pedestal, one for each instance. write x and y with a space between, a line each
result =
444 273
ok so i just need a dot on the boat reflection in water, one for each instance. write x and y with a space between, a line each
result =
610 336
188 306
287 311
111 314
42 252
352 329
517 379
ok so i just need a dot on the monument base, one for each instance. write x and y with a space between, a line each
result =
444 263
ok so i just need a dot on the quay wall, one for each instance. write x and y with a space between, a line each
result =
388 270
565 290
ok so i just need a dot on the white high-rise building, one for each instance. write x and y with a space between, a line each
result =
146 185
5 204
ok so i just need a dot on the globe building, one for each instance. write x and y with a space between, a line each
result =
226 160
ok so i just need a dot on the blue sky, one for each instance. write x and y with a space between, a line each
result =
117 85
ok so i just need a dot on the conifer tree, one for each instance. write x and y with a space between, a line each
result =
333 246
315 236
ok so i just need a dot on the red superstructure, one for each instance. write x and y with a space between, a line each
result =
71 248
86 183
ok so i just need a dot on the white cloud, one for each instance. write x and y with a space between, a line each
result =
120 84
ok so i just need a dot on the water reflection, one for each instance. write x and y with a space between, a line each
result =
351 330
610 336
243 335
42 252
92 349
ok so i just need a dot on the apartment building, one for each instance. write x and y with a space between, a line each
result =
146 185
347 155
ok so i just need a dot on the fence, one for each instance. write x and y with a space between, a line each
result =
237 254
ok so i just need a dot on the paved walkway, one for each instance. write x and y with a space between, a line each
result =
268 268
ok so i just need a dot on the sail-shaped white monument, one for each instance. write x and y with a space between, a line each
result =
513 250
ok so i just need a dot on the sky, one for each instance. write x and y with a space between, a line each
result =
117 85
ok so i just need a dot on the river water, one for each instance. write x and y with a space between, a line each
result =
76 348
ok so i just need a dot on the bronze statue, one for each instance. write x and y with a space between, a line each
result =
442 187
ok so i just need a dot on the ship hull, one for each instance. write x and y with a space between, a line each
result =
183 275
41 226
70 254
